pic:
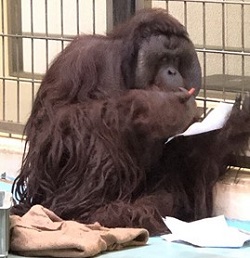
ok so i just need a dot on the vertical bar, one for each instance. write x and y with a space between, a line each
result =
3 60
243 40
204 58
32 49
223 46
122 10
185 14
18 81
93 6
109 15
46 35
17 46
167 7
14 27
62 29
77 18
132 7
141 4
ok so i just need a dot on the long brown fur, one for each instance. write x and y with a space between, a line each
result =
96 134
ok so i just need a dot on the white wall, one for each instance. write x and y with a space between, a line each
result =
44 51
61 20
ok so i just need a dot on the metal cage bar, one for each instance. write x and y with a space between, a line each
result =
14 38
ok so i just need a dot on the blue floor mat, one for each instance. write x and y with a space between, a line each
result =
159 248
5 186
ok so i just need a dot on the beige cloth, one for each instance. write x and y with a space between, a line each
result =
40 232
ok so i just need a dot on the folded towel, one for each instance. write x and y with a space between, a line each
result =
40 232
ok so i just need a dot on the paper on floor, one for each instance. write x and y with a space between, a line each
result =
210 232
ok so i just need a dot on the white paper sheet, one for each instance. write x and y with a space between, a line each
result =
210 232
214 120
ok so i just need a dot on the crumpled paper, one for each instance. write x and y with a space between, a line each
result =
213 121
209 232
